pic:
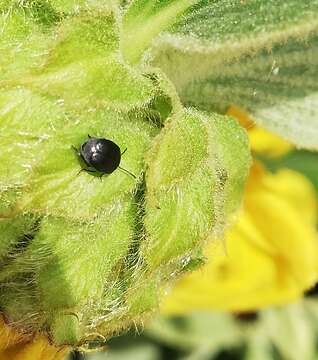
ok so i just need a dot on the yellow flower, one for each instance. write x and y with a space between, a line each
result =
261 141
272 250
14 345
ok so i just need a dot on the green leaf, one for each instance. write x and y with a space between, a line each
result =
258 55
237 21
197 169
131 350
144 20
291 326
196 332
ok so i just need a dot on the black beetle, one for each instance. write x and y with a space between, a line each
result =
102 155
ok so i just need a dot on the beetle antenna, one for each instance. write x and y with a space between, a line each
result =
123 152
75 149
127 172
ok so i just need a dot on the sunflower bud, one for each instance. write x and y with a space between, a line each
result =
83 256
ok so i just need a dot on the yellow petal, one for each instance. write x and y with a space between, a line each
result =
261 140
241 116
267 143
283 208
272 251
14 345
9 336
297 190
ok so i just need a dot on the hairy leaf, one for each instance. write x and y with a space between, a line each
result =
259 55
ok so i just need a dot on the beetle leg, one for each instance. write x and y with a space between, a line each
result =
86 170
101 175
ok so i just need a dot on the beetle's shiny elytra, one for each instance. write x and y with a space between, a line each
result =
102 155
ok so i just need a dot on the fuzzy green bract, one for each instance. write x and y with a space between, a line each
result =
81 257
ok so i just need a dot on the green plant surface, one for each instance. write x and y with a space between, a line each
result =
83 258
259 55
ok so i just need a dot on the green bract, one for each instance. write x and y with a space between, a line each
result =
83 258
